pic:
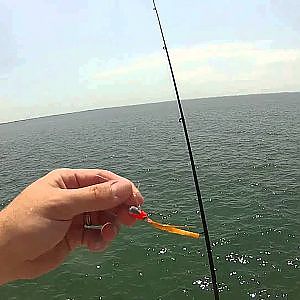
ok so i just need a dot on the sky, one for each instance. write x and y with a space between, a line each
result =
72 55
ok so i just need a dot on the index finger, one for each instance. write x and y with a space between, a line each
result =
79 178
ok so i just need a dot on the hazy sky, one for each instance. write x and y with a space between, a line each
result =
60 56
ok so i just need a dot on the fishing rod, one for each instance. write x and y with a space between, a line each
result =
196 182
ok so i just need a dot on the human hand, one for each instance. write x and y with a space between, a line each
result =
44 223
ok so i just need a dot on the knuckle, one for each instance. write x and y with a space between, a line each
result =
99 192
94 192
59 171
62 170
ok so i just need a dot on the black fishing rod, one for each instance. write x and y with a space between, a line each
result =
197 186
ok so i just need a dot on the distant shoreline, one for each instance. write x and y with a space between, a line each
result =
129 105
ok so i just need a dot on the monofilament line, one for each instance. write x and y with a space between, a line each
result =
197 186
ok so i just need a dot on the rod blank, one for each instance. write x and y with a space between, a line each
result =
196 182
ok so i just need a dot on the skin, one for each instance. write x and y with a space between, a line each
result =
45 222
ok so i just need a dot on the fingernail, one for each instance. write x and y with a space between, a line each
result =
105 226
136 199
101 178
139 196
121 189
110 226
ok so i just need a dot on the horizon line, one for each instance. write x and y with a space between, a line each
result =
144 103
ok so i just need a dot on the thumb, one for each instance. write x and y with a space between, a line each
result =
101 196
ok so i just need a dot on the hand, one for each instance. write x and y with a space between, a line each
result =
43 224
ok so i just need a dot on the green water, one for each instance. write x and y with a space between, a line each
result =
247 155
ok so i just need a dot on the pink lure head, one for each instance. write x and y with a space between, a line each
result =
137 213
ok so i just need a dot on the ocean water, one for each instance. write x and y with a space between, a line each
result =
247 155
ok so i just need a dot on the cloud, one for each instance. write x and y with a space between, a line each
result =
208 70
214 69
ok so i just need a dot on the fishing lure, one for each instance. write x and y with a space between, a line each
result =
142 215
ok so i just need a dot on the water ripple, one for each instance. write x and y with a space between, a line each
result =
247 160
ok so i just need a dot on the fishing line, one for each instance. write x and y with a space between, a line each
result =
196 182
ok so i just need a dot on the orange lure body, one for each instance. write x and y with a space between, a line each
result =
141 215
